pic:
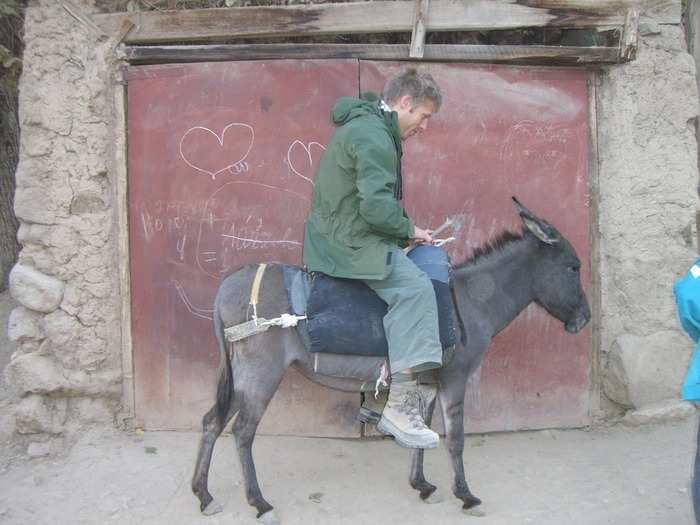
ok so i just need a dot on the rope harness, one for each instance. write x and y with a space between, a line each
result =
259 324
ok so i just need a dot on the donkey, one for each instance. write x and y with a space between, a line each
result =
488 291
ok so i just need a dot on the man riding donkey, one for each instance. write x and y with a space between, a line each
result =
357 229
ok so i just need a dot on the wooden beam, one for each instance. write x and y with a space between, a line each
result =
382 16
419 26
595 254
558 55
126 415
125 29
629 36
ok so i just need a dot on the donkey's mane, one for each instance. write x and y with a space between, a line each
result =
497 243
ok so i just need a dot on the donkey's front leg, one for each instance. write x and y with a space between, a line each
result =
427 491
452 401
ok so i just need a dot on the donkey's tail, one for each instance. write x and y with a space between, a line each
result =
224 390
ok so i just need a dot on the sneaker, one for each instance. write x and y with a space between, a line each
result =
402 417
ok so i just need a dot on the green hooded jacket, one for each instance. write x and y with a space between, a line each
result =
356 214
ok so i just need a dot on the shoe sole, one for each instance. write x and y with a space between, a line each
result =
388 429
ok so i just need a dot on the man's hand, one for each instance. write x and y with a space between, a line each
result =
421 236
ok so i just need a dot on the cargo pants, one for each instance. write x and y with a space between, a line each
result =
411 322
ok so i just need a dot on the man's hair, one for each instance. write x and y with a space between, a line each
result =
419 86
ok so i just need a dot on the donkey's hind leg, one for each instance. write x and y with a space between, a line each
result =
212 426
256 381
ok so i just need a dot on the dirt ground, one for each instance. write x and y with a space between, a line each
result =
611 475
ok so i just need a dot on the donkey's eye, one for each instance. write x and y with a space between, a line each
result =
574 269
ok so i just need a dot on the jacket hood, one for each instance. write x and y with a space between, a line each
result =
349 108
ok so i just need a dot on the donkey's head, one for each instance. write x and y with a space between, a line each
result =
556 282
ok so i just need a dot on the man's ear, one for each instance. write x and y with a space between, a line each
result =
406 102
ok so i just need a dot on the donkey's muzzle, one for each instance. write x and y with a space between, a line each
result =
583 315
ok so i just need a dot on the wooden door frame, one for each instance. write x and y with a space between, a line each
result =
130 31
121 159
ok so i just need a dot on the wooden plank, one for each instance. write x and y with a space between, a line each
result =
596 285
630 36
376 17
561 55
419 26
126 416
124 29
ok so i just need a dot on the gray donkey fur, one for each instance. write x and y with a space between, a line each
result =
488 291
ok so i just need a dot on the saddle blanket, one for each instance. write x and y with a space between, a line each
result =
344 316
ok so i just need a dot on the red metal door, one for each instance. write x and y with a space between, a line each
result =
506 131
221 158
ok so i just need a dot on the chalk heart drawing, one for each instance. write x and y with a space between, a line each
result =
302 158
213 153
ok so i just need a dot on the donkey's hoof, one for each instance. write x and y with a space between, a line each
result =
434 497
474 511
214 507
269 518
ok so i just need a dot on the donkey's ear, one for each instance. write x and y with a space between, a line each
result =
539 228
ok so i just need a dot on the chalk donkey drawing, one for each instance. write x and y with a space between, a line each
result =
488 291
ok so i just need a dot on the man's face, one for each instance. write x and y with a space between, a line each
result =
413 118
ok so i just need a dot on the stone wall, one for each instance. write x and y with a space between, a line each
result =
647 152
68 369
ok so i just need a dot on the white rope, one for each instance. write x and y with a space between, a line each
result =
381 380
285 321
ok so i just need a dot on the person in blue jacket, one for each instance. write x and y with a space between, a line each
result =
687 292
